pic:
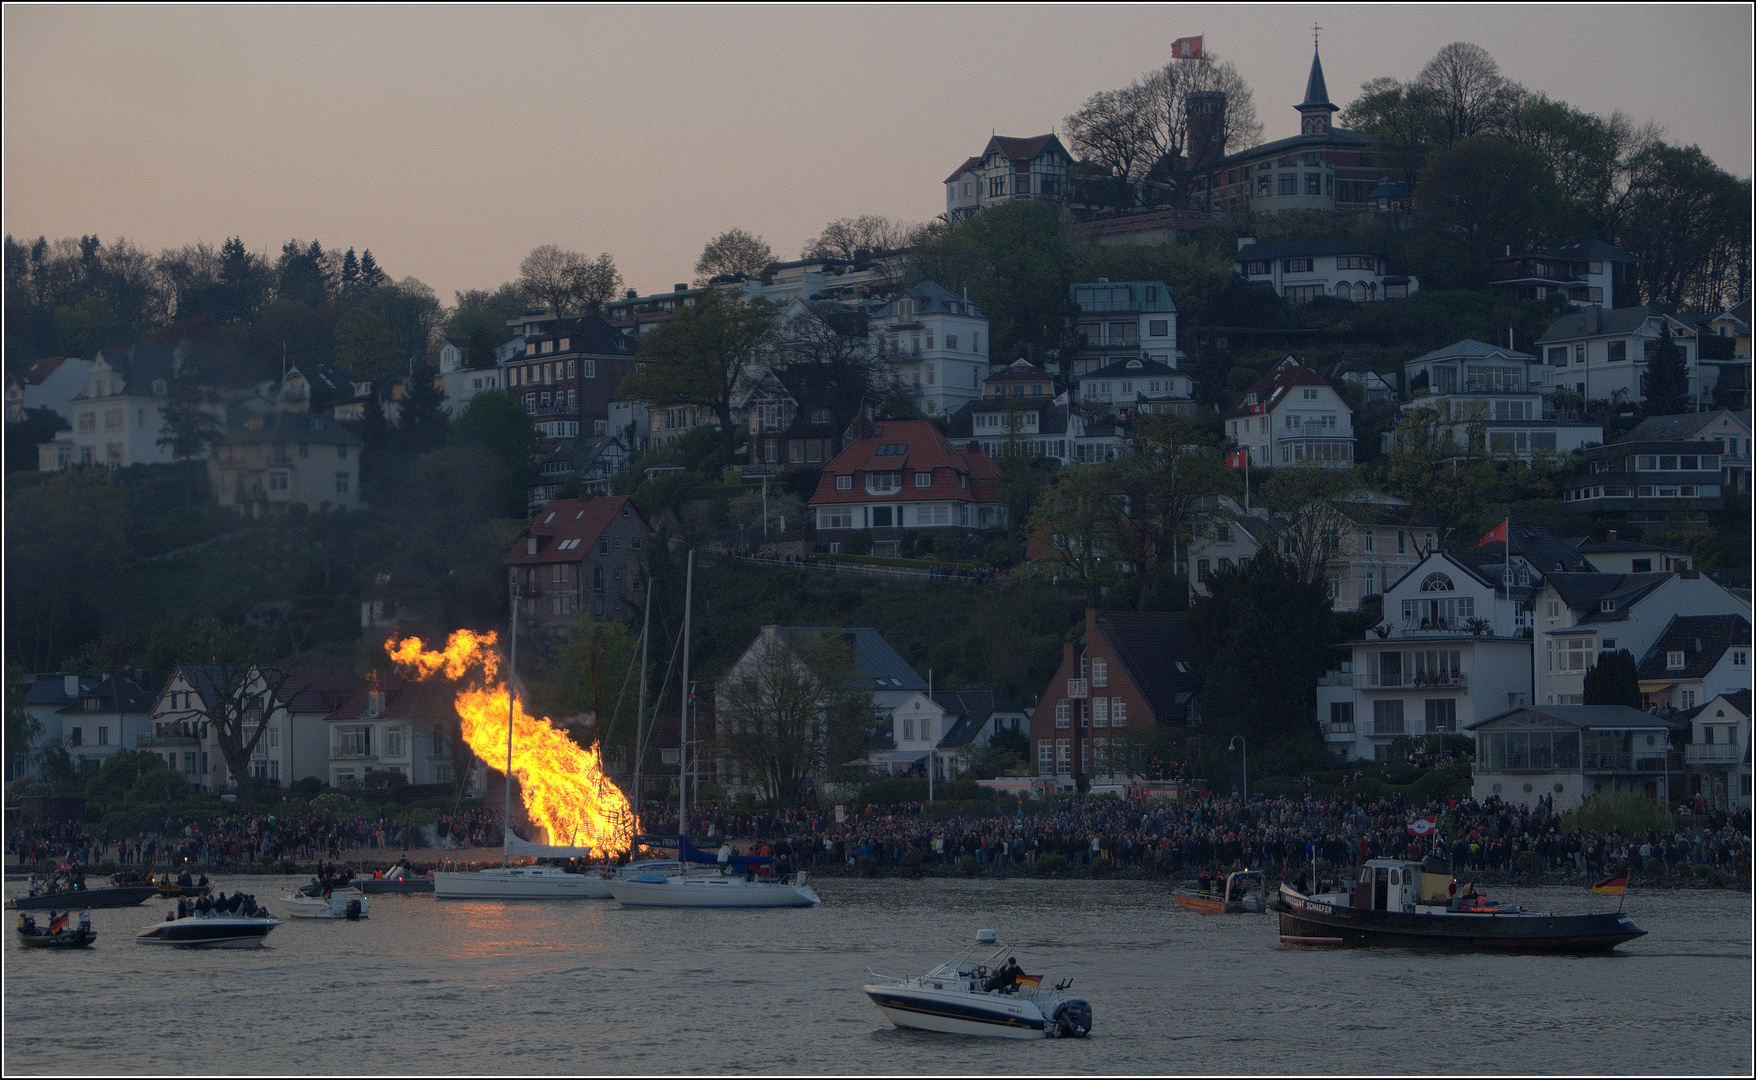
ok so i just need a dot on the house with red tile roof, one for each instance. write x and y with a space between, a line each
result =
903 475
1292 416
1008 169
580 555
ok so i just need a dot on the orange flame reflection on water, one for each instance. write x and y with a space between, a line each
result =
562 783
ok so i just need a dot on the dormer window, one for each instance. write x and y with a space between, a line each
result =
1606 605
1674 660
530 545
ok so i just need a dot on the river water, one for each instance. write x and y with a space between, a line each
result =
425 987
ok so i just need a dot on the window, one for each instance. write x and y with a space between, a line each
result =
1387 717
1675 660
844 483
1063 714
1100 671
1572 654
1063 754
342 483
908 730
1441 716
1289 183
1295 266
103 736
1118 712
354 741
923 479
1100 712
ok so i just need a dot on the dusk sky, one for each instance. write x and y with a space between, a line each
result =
452 140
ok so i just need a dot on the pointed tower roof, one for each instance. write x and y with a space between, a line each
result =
1316 92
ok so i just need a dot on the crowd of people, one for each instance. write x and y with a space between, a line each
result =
1278 833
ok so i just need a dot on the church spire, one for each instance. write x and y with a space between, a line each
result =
1316 109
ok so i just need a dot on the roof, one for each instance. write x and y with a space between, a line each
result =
1596 322
1154 648
1135 367
1587 593
1160 300
116 694
1020 370
1316 93
320 688
51 689
907 446
1051 418
1267 392
880 663
972 709
286 427
584 334
1702 639
1539 547
1293 248
566 529
1683 425
930 298
1582 251
434 698
1471 349
1590 717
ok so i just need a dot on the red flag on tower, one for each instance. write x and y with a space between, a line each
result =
1498 532
1239 459
1186 48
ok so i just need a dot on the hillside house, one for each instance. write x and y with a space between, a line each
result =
580 555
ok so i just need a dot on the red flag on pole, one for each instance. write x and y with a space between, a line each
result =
1498 532
1186 48
1422 826
1239 459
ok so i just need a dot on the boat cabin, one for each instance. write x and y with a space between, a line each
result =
1399 885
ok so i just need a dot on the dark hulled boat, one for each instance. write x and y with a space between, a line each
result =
1412 904
107 897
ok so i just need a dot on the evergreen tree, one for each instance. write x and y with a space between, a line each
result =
421 421
1613 680
371 277
350 275
1667 379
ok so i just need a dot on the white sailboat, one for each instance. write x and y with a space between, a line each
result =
704 889
507 882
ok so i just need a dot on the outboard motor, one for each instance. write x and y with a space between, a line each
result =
1071 1019
353 909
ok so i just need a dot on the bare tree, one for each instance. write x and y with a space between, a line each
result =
847 238
597 282
782 709
547 275
732 253
1470 94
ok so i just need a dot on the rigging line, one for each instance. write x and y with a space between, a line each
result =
671 666
621 696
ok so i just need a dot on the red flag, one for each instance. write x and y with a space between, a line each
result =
1186 48
1239 460
1498 532
1422 826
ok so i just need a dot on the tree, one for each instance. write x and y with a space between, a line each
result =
495 423
785 705
422 421
189 430
363 343
478 315
1613 680
1076 517
1401 118
548 276
850 238
1491 195
65 539
236 693
22 438
597 282
1667 378
593 675
1469 94
1116 130
371 277
304 271
699 357
733 253
22 729
1688 220
1307 528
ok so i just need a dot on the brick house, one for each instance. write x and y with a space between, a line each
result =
580 555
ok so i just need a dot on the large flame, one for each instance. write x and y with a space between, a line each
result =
562 783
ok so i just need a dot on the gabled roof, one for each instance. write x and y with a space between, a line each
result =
116 694
1267 393
1739 700
286 427
1596 322
1294 248
968 166
1582 251
320 688
971 709
930 298
1020 370
1154 648
1703 641
1585 594
1425 567
568 529
1016 150
1683 425
1541 548
882 665
431 699
1052 419
51 689
906 446
1590 717
1471 349
1138 367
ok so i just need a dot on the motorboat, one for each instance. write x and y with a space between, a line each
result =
400 878
335 904
1401 903
57 935
210 931
83 898
544 881
1240 891
709 889
963 996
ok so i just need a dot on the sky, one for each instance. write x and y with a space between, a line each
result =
451 140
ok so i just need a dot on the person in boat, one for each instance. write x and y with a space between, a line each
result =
1006 978
85 922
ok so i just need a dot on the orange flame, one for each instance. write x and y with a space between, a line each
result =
562 783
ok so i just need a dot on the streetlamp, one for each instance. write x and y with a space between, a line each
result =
1239 745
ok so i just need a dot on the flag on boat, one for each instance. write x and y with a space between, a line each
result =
59 924
1615 886
1032 981
1498 532
1239 459
1187 48
1423 826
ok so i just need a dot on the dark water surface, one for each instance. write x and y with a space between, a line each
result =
590 987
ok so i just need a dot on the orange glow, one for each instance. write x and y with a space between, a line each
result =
562 783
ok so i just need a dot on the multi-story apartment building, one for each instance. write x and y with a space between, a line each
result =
1589 273
1603 354
568 374
1122 320
279 460
1303 270
1729 432
1648 481
1493 399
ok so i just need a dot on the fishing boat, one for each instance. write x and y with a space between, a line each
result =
720 887
1240 891
58 934
1419 904
347 903
963 996
210 931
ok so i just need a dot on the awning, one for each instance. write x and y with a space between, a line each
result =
1655 687
901 757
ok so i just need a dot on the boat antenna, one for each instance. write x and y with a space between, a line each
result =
511 709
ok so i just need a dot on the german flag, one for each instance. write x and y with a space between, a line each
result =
1614 886
1032 981
59 924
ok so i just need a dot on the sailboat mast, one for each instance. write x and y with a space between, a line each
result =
683 757
640 719
511 708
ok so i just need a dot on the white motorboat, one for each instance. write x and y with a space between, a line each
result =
542 882
336 904
708 889
963 997
210 931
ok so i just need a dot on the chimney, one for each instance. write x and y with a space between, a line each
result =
632 294
70 685
681 286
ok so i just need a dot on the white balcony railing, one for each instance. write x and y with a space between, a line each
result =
1076 688
1713 754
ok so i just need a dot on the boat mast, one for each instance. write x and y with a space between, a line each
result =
640 722
683 756
511 708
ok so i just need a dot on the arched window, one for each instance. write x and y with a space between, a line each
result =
1437 583
1342 291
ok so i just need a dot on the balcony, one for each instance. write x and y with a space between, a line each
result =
1713 754
152 741
1340 729
1405 680
1076 688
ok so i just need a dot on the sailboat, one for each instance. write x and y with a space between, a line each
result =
704 889
507 882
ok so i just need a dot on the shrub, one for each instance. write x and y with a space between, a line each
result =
1101 866
1052 863
971 865
868 865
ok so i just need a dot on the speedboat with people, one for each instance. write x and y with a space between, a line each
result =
69 891
59 934
975 993
1238 892
210 931
348 903
1402 903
